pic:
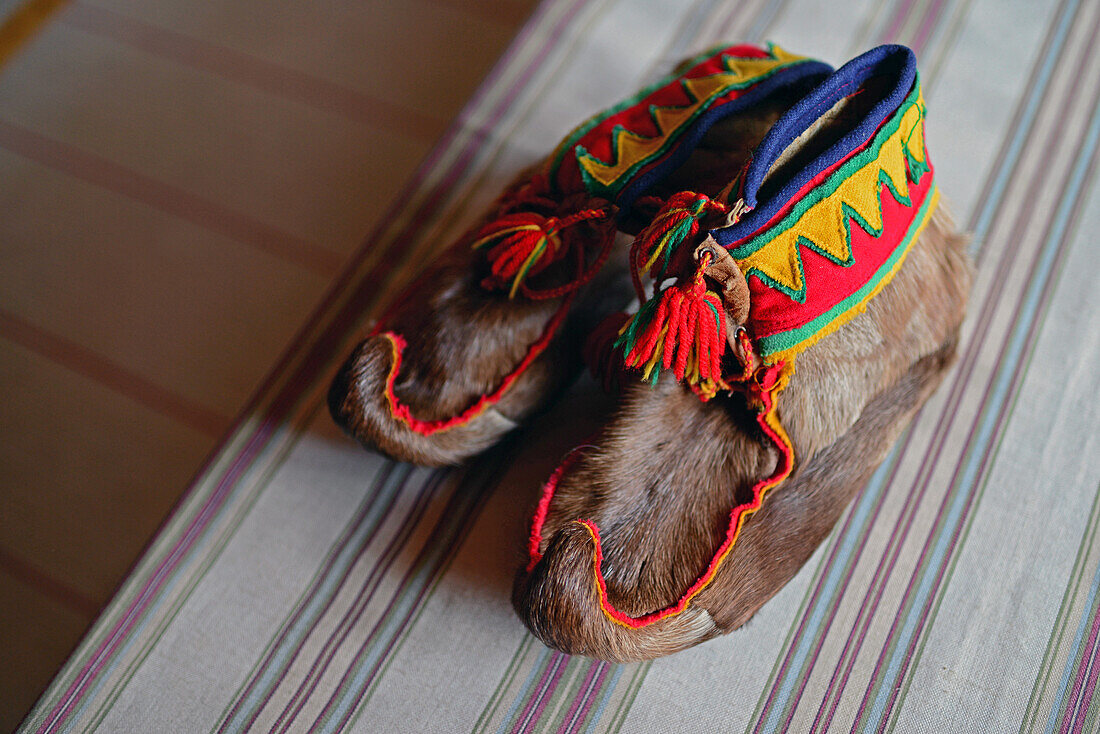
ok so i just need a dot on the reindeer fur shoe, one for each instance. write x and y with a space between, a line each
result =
808 321
494 327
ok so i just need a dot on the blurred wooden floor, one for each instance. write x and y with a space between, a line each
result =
179 184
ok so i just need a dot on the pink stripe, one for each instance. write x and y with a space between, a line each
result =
1074 701
556 661
554 673
965 372
899 20
1081 709
571 724
545 699
931 16
352 615
110 375
167 198
1001 417
584 692
592 699
246 69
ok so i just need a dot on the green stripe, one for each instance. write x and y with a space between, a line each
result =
785 340
635 685
277 455
1054 643
504 684
374 496
1072 667
1093 715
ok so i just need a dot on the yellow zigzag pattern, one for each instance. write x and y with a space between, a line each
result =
630 147
825 222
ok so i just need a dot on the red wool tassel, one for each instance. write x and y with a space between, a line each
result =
678 221
683 329
520 244
525 243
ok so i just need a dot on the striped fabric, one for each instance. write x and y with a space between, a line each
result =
306 585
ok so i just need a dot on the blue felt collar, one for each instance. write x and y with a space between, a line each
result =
892 61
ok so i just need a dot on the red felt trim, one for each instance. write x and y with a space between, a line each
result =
426 428
543 509
566 291
827 284
766 389
635 116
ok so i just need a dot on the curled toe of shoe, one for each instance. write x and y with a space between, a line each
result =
359 403
559 602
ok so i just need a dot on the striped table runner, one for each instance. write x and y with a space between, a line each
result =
306 585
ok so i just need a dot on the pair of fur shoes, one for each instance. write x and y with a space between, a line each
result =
799 293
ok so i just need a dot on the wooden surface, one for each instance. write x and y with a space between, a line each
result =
180 182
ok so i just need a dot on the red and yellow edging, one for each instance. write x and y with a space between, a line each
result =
765 388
